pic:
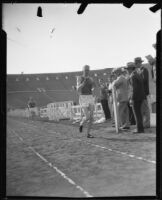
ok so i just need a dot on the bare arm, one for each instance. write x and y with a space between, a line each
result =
80 86
93 85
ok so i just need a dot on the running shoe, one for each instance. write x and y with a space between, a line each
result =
90 136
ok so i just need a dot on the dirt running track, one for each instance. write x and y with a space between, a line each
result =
54 159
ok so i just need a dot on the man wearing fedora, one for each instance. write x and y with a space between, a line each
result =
145 77
122 98
137 95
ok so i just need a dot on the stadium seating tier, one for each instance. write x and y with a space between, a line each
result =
46 88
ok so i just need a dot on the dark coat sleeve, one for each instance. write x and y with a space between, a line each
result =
137 88
145 75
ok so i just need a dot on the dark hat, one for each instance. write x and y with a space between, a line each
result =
138 60
149 57
130 65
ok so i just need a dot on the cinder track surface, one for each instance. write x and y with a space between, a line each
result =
54 159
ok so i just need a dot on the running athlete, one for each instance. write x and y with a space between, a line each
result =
85 88
31 107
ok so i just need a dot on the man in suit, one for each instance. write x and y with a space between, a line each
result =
122 99
131 114
137 95
145 77
104 99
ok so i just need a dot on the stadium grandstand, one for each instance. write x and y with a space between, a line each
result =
56 87
46 88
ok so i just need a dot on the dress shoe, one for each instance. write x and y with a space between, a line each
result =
136 132
81 128
125 128
108 120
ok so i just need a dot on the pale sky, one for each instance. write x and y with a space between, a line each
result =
104 36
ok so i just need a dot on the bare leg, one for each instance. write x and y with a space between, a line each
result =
90 117
88 112
84 117
84 114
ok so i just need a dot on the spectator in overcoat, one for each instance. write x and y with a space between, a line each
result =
145 78
122 99
137 95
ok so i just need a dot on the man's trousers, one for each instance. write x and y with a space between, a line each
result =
131 115
105 107
123 114
145 113
138 115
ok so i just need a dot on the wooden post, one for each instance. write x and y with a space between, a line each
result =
116 115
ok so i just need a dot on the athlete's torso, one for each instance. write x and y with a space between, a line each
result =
87 88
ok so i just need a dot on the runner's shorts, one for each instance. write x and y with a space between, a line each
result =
86 100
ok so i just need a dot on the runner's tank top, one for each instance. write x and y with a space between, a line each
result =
87 88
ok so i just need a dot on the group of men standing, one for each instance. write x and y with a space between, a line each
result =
132 93
132 89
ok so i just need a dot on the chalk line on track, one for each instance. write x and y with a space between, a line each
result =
109 149
113 150
87 194
119 152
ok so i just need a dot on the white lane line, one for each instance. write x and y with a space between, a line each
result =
113 150
116 151
87 194
21 138
132 156
119 152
